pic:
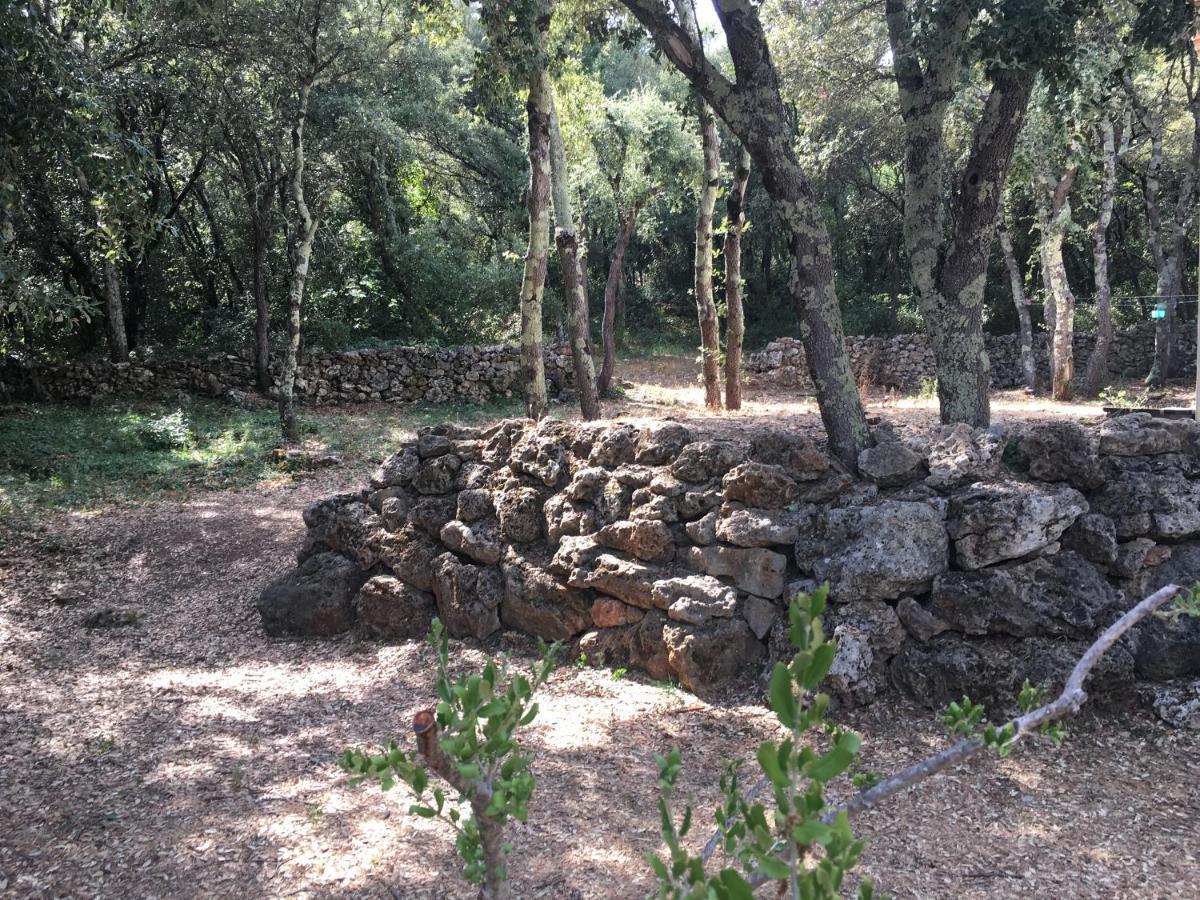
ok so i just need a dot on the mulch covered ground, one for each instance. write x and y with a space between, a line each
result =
189 755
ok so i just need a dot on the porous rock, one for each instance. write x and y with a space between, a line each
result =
315 599
875 552
1007 520
388 608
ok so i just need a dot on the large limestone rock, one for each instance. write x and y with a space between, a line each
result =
877 552
705 658
694 598
437 475
661 442
388 608
648 540
704 460
1061 451
992 670
1167 647
398 469
756 571
1179 704
868 635
616 446
1161 504
891 463
1058 595
468 596
1007 520
1094 537
759 484
1137 434
315 599
640 646
962 454
624 579
520 511
754 527
478 542
538 603
797 455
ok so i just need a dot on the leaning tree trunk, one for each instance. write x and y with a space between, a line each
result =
612 295
533 282
574 288
1097 367
706 307
1021 302
735 214
753 109
300 253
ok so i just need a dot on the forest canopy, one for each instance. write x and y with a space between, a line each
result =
147 161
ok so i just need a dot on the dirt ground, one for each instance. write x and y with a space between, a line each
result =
190 755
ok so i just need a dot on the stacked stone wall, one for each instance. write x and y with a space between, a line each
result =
904 361
398 374
962 564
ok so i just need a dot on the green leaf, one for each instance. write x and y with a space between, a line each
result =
736 886
769 761
774 867
782 700
423 811
819 667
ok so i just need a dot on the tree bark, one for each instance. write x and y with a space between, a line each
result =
706 307
533 282
1055 215
1017 282
300 252
1097 367
566 239
735 223
262 311
612 295
948 264
754 111
114 308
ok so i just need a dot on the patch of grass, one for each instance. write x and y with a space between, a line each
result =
72 456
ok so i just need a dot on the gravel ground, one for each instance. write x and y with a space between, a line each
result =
189 755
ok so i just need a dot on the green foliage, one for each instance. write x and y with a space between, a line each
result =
928 389
169 432
67 456
478 716
798 841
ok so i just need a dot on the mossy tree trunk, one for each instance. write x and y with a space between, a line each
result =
533 282
735 223
1055 222
613 285
948 258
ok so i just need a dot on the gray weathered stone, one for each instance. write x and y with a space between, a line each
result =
316 598
1007 520
388 608
756 571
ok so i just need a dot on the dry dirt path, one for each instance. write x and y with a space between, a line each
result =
189 755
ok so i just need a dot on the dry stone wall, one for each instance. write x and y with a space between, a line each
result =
962 564
904 361
430 374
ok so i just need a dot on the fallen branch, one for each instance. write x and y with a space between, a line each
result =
1068 703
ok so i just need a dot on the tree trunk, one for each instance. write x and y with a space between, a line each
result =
612 294
262 311
566 239
533 281
300 252
1056 219
1017 282
753 109
948 265
706 307
118 344
735 214
1097 367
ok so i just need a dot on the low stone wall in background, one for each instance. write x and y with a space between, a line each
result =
962 564
399 374
904 361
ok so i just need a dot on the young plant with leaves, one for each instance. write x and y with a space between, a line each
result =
469 740
797 842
